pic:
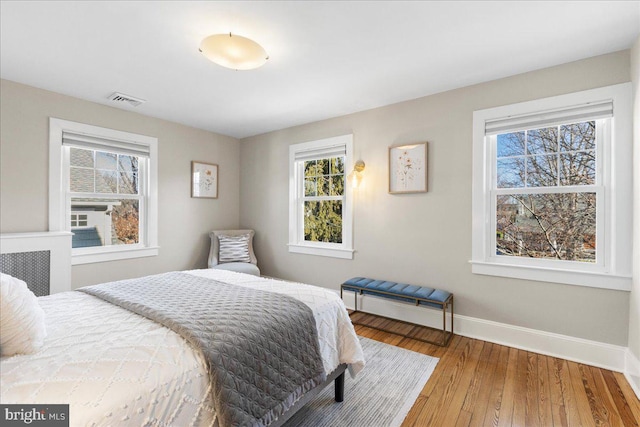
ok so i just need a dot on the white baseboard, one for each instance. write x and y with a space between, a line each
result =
632 371
602 355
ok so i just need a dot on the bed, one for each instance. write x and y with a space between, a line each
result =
115 367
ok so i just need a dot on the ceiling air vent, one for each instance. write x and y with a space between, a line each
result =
121 97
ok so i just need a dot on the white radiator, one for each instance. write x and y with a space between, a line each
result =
42 260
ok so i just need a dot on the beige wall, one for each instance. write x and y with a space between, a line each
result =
426 238
183 222
634 303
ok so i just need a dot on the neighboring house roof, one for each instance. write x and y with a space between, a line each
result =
85 237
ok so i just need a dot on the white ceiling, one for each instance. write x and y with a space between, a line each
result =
327 58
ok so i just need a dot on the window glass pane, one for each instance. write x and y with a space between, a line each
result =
310 168
127 163
337 165
323 221
324 177
540 141
106 181
322 185
105 222
542 171
555 226
337 185
80 157
126 222
511 144
128 183
323 166
106 160
578 168
579 136
310 187
81 180
510 172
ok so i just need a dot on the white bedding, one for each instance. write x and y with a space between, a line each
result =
117 368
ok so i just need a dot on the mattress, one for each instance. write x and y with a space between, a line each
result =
117 368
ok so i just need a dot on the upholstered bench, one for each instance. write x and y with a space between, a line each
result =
417 295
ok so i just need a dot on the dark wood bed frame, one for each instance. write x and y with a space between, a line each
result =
336 376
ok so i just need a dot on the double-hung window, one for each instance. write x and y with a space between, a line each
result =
320 205
103 191
552 193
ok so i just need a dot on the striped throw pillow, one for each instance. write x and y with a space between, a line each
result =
234 249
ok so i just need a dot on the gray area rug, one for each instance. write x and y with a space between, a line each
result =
380 396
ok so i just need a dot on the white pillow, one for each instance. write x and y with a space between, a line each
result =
234 249
22 326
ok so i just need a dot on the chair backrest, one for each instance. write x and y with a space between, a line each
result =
215 244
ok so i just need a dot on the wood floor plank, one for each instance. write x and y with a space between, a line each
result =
445 365
441 397
422 416
521 395
464 418
494 404
417 415
556 393
624 410
580 394
568 394
630 396
461 385
598 410
603 397
433 392
414 412
480 384
532 392
544 392
508 394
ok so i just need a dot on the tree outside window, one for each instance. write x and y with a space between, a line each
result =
106 186
323 199
546 203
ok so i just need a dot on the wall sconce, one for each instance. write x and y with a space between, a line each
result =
356 175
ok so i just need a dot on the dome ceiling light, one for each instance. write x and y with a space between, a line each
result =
235 52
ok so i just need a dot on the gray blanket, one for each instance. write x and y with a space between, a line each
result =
261 348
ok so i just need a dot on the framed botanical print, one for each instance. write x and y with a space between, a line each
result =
204 180
408 168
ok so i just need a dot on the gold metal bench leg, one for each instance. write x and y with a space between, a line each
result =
444 324
451 316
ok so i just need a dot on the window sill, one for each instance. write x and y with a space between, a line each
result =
569 277
321 251
105 255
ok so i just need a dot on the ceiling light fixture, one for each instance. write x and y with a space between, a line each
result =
235 52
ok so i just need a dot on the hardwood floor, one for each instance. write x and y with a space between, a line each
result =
477 383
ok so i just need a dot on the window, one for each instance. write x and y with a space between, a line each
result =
552 189
546 192
78 220
103 190
320 206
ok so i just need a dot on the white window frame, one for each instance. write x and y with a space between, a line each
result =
614 220
59 211
297 244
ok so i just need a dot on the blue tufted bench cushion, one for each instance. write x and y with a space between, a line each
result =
398 291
